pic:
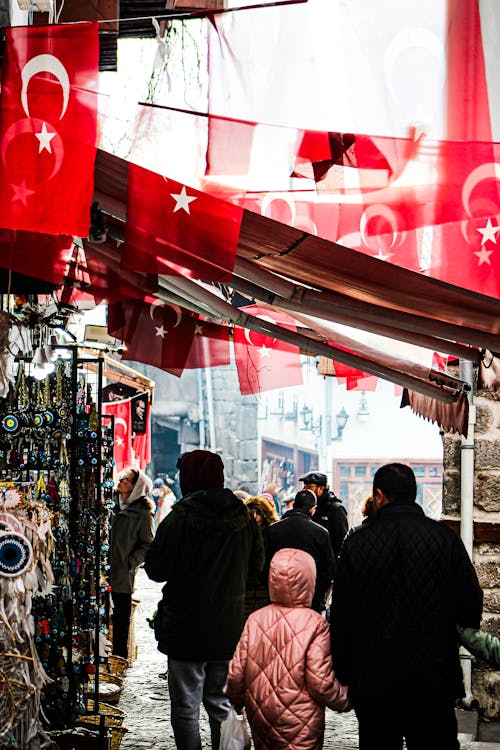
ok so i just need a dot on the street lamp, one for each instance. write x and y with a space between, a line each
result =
341 420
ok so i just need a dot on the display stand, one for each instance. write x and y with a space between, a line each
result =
56 474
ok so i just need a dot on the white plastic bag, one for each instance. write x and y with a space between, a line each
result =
234 734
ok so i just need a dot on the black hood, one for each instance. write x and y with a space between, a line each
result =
214 511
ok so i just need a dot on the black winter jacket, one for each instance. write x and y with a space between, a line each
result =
299 531
204 550
403 584
332 515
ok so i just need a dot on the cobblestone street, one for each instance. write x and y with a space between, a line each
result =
145 697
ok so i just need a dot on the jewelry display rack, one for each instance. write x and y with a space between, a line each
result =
56 482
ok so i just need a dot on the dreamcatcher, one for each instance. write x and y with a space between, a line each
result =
25 540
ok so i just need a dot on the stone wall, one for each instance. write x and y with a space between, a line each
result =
486 554
182 402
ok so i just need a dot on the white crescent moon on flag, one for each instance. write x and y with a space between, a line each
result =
378 209
249 331
45 64
490 170
32 125
269 199
412 37
160 303
120 420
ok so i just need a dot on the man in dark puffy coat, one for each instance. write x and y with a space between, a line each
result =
298 531
204 550
330 513
403 584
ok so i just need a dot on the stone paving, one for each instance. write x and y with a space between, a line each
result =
145 696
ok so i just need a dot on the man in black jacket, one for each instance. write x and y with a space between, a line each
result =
298 531
204 550
330 512
403 584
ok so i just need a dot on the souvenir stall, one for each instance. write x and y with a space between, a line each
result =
56 482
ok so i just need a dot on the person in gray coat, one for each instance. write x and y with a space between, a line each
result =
131 536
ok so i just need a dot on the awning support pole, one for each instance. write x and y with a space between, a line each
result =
467 509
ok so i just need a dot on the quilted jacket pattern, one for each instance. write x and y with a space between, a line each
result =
281 670
403 584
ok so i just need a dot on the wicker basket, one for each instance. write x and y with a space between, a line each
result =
110 688
116 665
113 719
114 716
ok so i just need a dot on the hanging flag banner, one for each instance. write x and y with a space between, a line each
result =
263 362
210 347
122 447
175 230
42 256
48 127
155 332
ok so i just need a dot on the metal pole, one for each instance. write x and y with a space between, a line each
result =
467 508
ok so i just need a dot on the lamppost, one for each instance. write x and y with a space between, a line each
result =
340 420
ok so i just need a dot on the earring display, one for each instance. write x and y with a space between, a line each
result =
56 481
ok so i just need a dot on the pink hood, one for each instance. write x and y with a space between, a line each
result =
292 578
282 668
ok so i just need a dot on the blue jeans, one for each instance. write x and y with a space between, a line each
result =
190 684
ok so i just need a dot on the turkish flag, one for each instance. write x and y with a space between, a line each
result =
42 256
48 127
122 438
175 230
107 283
263 362
210 347
156 333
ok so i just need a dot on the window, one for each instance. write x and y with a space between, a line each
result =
345 470
360 471
419 471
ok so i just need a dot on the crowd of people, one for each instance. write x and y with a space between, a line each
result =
285 616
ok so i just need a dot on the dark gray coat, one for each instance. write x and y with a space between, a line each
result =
298 530
131 535
204 550
403 583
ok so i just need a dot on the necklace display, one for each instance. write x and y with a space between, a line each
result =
56 483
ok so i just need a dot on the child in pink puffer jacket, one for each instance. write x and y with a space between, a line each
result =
281 671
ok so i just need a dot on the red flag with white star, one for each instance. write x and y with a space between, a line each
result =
175 230
42 256
210 347
48 127
263 362
155 332
122 445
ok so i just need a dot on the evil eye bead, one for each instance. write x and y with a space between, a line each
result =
38 419
10 423
48 417
16 554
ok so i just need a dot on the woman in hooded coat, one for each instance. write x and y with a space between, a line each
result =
282 670
131 536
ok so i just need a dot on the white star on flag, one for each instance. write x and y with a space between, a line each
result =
488 232
265 351
21 193
484 256
45 138
182 200
160 331
119 442
198 329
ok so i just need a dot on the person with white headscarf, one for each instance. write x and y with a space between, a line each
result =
131 536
